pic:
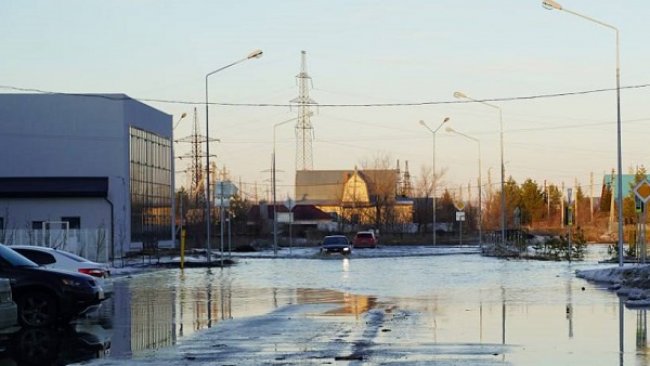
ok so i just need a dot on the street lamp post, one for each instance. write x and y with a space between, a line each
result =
254 54
550 4
273 184
460 95
480 182
433 181
183 115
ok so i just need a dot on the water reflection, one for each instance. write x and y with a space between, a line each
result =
642 336
45 346
539 312
154 311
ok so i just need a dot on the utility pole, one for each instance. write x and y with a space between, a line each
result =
575 185
548 203
562 206
612 207
591 197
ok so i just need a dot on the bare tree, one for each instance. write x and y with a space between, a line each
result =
383 187
424 185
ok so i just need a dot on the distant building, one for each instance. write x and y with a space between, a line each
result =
99 163
358 197
609 182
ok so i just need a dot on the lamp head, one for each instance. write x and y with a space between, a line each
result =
460 95
550 5
255 54
445 120
183 115
449 129
422 123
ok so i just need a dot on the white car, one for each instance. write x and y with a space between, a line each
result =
59 259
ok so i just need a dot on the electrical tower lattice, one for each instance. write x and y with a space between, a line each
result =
304 129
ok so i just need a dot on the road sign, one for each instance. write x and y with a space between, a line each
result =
460 205
642 190
290 203
460 215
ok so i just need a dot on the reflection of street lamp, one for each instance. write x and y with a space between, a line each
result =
550 4
480 204
460 95
254 54
183 115
433 182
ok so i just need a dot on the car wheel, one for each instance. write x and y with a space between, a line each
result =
37 346
36 309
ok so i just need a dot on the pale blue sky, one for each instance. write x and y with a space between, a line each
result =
358 52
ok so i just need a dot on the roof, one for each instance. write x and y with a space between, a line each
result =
309 213
326 186
254 211
628 183
53 187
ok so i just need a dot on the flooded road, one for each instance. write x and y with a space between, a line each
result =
452 309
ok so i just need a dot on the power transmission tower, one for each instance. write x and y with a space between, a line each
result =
304 129
407 191
196 172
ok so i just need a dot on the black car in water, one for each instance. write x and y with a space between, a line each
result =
45 296
336 244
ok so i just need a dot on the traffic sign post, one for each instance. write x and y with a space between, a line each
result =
290 205
642 196
460 217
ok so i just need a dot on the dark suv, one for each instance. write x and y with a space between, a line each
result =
45 296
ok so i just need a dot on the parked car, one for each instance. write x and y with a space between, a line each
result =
60 259
365 239
336 244
8 308
46 296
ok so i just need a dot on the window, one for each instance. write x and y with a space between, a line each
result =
151 193
36 256
37 225
74 222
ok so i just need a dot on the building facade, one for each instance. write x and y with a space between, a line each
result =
368 198
95 163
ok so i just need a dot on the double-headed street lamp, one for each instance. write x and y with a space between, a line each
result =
460 95
480 182
550 4
254 54
433 181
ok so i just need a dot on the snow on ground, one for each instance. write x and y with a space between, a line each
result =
630 281
314 253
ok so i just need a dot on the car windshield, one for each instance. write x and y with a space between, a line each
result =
335 240
364 235
14 258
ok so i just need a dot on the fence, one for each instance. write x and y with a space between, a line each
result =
88 243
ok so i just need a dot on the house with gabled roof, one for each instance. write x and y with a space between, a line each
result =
367 197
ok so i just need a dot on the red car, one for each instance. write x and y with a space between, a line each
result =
365 239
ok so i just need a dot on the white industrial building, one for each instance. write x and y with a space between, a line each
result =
93 173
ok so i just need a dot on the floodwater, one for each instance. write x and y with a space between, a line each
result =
451 309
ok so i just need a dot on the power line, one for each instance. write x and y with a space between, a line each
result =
121 97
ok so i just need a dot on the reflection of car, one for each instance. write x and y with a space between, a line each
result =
44 296
336 244
52 346
59 259
365 239
8 309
